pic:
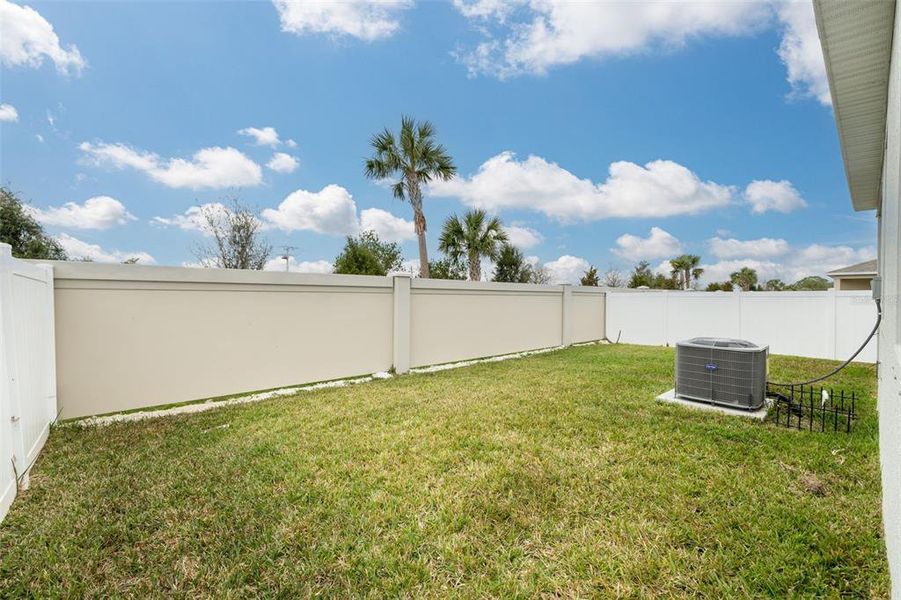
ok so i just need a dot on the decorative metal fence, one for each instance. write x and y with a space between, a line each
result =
813 408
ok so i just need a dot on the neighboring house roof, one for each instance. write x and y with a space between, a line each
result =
866 268
857 46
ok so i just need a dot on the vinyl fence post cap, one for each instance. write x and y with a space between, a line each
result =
400 274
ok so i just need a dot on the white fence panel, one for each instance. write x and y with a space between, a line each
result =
27 369
717 312
814 324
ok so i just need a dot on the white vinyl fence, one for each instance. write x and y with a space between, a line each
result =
27 371
815 324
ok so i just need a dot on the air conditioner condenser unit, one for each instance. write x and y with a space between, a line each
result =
722 371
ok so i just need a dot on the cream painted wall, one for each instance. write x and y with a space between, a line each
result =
459 320
589 312
131 336
890 331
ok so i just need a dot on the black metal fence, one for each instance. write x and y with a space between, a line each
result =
813 409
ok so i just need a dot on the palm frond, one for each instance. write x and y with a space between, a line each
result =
398 190
452 238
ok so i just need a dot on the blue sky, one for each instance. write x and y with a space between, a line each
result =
601 134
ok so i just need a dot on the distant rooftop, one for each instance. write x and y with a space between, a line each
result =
867 267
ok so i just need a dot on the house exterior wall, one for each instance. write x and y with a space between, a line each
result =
852 283
890 332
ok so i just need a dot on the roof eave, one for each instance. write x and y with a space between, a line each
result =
856 38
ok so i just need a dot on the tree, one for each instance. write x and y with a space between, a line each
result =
366 254
812 283
540 274
20 229
745 278
471 238
686 270
447 268
237 241
774 285
590 278
641 275
511 266
721 286
613 278
417 159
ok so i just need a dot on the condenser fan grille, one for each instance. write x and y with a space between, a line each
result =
722 371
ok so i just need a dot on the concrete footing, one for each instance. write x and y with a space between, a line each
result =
671 398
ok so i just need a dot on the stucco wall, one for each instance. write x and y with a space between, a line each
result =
852 283
890 333
130 336
456 320
589 310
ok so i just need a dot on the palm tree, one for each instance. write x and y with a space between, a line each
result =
745 278
475 236
685 269
417 159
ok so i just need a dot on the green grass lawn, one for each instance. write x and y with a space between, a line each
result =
554 475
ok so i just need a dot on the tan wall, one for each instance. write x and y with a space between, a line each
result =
589 314
848 284
130 336
458 320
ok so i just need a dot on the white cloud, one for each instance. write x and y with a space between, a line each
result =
567 269
295 266
387 226
192 219
331 210
99 212
290 143
659 243
77 249
759 248
532 37
780 196
26 38
208 168
363 19
801 52
266 136
814 259
283 163
661 188
523 237
8 113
